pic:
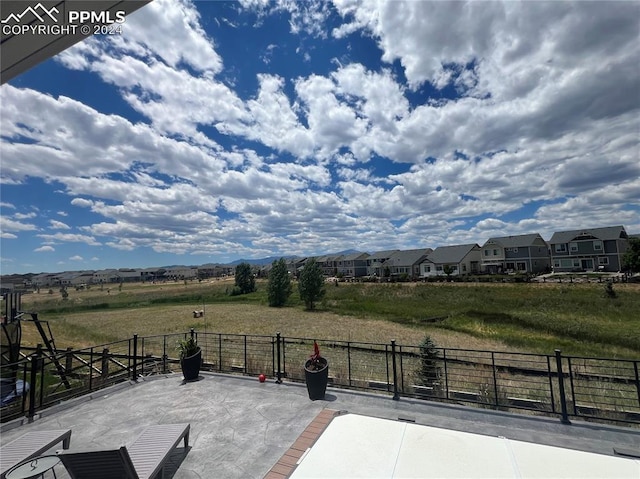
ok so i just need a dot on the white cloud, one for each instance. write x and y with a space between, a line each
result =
58 225
9 225
76 258
42 249
69 238
24 216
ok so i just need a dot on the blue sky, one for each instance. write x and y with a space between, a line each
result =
210 131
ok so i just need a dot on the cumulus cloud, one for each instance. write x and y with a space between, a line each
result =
42 249
58 225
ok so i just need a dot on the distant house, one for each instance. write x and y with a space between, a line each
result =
527 253
82 278
596 249
127 275
376 260
406 262
295 265
460 259
43 280
178 273
105 276
328 264
353 265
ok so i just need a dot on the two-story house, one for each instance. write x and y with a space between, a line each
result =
458 260
527 253
596 249
376 260
328 264
353 265
406 262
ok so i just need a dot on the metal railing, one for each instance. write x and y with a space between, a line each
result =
565 386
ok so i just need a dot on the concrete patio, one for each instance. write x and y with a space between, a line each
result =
240 428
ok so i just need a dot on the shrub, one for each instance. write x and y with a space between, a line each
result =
429 372
609 291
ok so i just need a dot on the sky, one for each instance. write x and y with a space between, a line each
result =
210 131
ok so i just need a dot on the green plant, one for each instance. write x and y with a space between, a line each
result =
244 280
609 291
631 258
187 347
429 372
279 286
311 284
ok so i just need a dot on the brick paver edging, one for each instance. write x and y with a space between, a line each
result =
288 462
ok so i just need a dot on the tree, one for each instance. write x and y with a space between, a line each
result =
429 373
631 259
245 282
448 270
311 284
279 286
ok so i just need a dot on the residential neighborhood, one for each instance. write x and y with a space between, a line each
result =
585 250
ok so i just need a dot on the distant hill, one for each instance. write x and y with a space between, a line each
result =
271 259
260 261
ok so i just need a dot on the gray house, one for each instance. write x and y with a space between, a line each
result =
596 249
461 259
353 265
376 260
521 253
406 262
328 264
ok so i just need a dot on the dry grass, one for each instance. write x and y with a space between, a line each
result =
92 328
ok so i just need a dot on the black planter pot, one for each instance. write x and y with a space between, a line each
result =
316 380
191 366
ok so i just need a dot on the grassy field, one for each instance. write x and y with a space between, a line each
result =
577 318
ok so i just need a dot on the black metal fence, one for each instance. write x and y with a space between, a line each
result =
566 386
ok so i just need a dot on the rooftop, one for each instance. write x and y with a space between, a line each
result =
241 428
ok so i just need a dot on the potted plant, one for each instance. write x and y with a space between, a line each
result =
316 372
190 358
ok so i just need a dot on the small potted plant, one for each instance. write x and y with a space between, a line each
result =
316 372
190 358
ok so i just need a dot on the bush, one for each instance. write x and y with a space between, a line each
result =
609 291
429 372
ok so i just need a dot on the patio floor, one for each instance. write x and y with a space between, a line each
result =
241 428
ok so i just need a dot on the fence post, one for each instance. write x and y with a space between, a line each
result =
635 368
495 379
68 363
563 398
35 359
349 361
105 363
164 354
278 371
395 372
446 373
91 369
134 373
